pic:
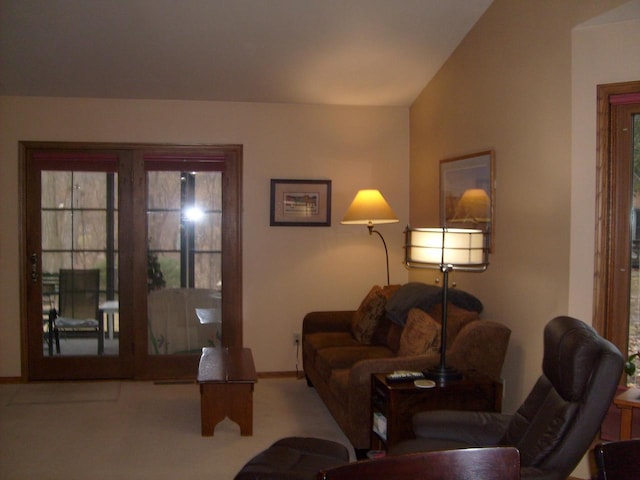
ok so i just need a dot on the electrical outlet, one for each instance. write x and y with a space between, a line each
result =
296 339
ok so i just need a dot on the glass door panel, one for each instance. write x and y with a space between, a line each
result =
83 206
184 267
634 302
78 259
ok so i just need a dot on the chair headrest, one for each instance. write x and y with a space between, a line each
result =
571 351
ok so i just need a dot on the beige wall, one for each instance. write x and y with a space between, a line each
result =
287 271
509 87
604 51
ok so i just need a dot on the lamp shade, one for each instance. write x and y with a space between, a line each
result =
455 248
474 206
369 208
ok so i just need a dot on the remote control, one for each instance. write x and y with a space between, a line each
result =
403 376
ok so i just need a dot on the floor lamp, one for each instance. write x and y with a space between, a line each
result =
445 249
370 208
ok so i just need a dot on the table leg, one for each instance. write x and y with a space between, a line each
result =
241 407
626 419
212 407
220 400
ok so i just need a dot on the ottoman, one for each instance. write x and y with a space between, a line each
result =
294 458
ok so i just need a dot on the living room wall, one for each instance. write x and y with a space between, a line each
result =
287 271
510 87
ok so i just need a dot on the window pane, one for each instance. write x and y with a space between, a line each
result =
56 188
209 270
163 190
185 271
79 228
56 229
89 230
163 230
208 191
208 232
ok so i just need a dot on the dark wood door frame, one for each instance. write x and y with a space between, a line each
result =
613 201
133 259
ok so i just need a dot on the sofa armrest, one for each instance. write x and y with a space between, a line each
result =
360 375
329 321
361 372
472 428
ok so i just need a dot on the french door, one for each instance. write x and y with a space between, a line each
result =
149 226
617 280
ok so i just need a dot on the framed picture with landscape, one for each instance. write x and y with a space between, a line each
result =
300 203
467 194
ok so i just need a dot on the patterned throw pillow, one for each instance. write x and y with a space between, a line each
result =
457 318
421 334
366 319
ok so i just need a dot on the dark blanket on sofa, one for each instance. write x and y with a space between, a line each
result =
423 296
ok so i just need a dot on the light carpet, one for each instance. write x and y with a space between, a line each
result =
48 393
148 431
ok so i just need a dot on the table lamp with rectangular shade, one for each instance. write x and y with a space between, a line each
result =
370 208
445 249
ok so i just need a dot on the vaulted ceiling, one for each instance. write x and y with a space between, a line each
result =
341 52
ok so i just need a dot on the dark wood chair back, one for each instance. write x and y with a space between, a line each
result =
618 460
490 463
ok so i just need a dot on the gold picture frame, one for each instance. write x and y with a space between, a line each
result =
467 192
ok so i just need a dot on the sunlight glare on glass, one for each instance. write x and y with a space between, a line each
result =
193 214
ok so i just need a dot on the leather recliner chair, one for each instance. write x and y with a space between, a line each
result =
558 420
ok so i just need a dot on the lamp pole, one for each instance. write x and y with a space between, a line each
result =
443 373
386 252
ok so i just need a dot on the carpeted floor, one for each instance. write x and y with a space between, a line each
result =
79 392
140 430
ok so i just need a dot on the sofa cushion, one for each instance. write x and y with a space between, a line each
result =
393 337
317 341
420 335
320 340
387 334
368 316
331 358
457 318
423 296
379 336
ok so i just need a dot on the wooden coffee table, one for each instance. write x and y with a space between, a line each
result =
226 377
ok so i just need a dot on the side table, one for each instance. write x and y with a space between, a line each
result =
626 402
226 376
393 404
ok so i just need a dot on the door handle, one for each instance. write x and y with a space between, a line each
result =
34 267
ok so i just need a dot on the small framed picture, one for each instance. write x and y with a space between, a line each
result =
467 193
300 203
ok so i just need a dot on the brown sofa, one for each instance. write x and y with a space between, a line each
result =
395 328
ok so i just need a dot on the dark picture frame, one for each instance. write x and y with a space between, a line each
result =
467 192
300 203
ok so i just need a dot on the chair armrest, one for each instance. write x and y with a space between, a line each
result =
329 321
472 428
